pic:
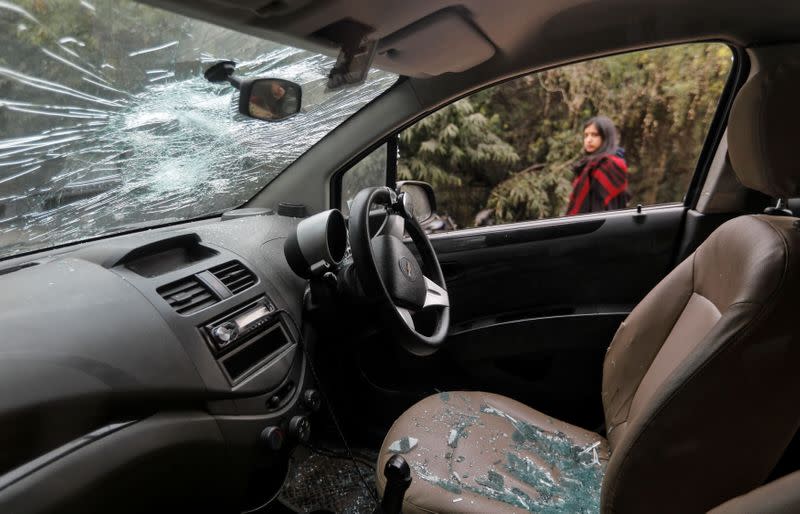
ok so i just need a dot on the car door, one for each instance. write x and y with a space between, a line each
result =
536 295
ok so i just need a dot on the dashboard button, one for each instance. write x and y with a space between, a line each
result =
312 399
225 333
273 438
300 428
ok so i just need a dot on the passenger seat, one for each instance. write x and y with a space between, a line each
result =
778 497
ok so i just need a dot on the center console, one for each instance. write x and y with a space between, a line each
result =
234 321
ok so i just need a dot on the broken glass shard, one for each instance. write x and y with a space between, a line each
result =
403 445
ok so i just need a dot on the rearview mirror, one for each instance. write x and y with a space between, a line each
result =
267 99
418 199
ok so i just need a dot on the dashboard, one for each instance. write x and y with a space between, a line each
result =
171 354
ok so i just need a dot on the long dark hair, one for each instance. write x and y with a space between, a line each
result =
609 134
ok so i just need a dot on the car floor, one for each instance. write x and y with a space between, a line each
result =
324 479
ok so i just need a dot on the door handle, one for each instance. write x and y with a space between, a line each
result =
452 270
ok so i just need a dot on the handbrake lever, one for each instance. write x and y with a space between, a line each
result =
398 480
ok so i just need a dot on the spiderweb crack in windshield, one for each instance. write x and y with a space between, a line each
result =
107 124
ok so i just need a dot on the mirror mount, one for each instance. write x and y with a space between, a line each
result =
223 72
357 48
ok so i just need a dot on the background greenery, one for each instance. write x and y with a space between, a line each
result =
510 148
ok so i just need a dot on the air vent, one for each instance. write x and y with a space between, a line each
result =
188 295
235 276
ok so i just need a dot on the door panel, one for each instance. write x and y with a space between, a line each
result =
535 305
559 266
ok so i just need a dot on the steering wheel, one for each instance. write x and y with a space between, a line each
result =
388 270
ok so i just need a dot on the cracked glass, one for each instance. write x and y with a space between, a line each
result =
107 124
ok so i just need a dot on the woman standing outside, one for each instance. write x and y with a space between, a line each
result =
601 175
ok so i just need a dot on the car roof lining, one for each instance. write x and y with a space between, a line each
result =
519 30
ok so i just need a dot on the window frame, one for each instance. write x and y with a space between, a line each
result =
740 69
391 168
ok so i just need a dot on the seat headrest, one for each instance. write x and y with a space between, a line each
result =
764 131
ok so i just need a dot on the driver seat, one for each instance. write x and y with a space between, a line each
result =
700 383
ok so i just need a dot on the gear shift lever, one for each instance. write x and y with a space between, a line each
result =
398 479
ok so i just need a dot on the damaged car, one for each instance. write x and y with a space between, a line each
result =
338 256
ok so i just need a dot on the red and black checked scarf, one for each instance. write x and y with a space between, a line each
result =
601 185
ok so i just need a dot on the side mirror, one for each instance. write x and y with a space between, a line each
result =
262 98
418 199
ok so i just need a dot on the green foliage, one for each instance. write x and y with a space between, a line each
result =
454 146
661 100
456 150
531 194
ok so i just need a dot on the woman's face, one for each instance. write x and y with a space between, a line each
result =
592 140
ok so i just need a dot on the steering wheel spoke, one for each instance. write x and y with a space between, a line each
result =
436 295
407 317
395 226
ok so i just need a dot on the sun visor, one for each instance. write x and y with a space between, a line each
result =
442 42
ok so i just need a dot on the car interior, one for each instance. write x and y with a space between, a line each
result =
294 355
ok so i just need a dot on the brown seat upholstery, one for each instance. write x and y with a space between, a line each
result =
779 497
700 384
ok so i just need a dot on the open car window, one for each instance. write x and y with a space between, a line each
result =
518 151
107 124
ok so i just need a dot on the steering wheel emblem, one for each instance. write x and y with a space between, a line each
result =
407 268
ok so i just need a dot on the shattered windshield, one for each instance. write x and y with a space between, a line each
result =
107 124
